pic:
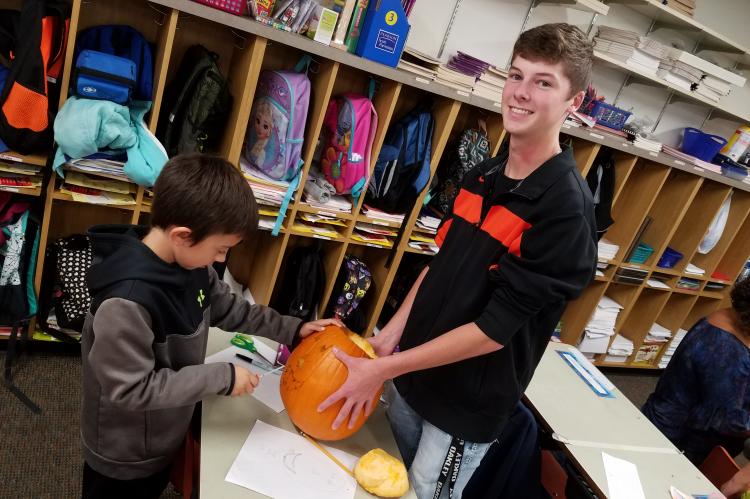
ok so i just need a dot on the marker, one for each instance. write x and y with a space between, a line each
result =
244 357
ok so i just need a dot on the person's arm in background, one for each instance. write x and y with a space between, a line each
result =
385 342
740 482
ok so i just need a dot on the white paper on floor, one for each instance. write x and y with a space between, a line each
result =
285 465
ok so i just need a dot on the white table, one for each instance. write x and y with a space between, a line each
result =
227 421
591 425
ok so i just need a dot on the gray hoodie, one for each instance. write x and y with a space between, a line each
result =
143 347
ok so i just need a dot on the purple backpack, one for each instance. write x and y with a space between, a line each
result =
350 125
277 123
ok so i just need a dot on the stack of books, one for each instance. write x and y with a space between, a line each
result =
98 190
375 214
267 191
15 176
490 84
419 63
686 7
628 46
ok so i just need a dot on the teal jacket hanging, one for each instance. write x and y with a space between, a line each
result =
83 126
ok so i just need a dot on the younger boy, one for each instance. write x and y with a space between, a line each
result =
155 295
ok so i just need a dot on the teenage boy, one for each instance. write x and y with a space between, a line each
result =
155 295
519 244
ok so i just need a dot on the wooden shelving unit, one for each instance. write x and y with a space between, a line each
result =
681 199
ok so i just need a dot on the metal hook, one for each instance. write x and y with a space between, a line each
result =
163 14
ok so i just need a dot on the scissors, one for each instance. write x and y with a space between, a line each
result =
246 342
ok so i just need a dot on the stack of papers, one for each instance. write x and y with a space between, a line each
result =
88 189
419 63
267 217
691 72
690 159
678 337
649 144
374 234
694 270
687 283
658 334
316 229
266 190
620 350
427 222
607 250
337 203
686 7
601 327
376 214
424 242
490 84
14 176
634 50
106 165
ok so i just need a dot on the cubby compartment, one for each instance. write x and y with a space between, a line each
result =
255 263
739 208
645 311
406 274
626 296
238 57
157 24
693 226
733 260
633 204
331 255
579 311
585 153
668 210
702 308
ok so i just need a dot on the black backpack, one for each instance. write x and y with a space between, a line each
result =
303 283
601 181
196 106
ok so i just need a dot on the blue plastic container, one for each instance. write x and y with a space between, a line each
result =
701 145
669 259
609 115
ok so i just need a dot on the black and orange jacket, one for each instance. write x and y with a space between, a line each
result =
509 262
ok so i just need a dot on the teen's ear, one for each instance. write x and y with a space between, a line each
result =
180 236
577 101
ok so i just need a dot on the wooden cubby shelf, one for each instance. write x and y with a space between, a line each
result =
679 199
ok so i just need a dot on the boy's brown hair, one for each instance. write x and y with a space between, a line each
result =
559 42
205 194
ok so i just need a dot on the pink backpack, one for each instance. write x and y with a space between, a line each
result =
350 124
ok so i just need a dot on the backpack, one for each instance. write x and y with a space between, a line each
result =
601 181
34 41
352 283
303 283
276 130
403 167
273 143
197 104
472 148
64 282
350 125
125 42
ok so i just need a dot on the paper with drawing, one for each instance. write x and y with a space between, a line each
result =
284 465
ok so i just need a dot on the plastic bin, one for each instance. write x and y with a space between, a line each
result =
701 145
609 115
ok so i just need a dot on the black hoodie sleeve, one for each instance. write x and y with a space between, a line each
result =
556 262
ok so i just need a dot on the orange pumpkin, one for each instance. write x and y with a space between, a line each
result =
313 373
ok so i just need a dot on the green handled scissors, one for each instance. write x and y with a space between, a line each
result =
246 342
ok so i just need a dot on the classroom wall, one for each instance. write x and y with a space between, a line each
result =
488 28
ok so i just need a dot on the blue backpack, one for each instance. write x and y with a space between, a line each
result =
402 170
126 42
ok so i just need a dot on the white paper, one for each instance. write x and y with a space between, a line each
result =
284 465
656 284
267 390
622 478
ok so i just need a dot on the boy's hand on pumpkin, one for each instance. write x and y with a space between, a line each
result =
357 392
383 343
314 326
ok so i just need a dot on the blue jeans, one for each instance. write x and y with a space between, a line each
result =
424 447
